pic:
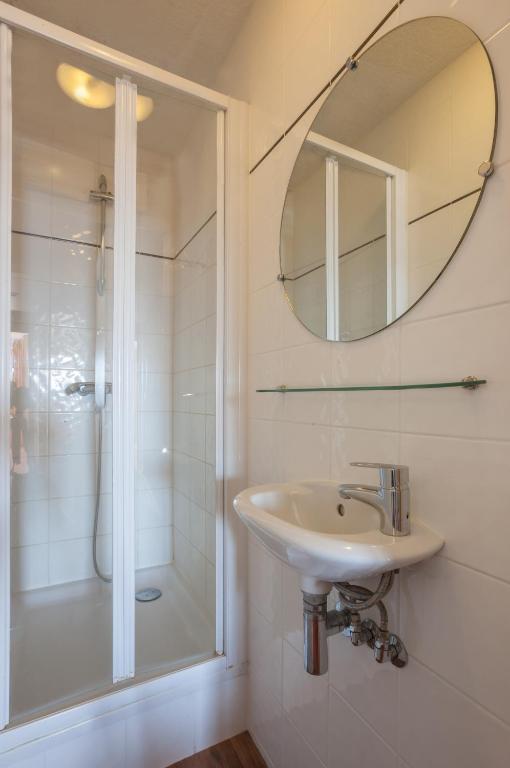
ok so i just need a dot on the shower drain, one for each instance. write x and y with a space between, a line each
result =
148 594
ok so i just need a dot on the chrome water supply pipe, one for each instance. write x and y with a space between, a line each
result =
319 624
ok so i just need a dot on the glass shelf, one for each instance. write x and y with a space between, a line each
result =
470 382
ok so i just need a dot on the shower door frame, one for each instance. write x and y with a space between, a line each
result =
230 455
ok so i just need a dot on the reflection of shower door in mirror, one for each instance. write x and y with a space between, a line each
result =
365 239
114 450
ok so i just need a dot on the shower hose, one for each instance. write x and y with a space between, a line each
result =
100 574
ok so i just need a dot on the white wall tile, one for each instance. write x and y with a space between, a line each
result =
306 701
73 263
348 445
73 305
153 508
265 581
457 346
30 300
154 353
449 490
441 727
70 560
72 433
264 458
73 517
265 718
370 688
72 475
33 485
72 348
29 567
266 652
296 753
352 742
153 547
30 257
447 643
29 523
292 610
305 451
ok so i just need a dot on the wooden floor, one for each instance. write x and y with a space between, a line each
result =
239 752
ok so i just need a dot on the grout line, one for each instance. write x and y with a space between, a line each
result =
363 719
328 425
479 571
456 312
458 690
300 734
85 243
496 33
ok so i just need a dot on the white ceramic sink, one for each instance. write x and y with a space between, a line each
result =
300 523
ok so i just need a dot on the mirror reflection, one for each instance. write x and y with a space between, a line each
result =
388 179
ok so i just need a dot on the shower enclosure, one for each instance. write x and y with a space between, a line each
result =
112 246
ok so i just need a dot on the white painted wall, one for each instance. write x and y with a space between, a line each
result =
450 706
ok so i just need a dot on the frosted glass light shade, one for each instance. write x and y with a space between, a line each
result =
89 91
84 88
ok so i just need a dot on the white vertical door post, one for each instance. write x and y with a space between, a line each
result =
124 382
390 250
400 240
332 251
397 271
5 322
220 366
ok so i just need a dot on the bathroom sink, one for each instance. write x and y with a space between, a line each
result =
327 538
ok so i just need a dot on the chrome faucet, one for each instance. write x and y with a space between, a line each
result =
390 497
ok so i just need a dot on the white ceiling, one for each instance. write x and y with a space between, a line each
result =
188 37
389 72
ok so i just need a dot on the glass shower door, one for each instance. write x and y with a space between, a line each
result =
60 415
176 272
115 467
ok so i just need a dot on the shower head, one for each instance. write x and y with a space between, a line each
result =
85 388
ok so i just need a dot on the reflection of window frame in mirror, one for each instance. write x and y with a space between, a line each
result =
396 228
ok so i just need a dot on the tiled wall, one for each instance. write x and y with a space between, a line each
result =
154 327
54 302
194 367
194 423
450 706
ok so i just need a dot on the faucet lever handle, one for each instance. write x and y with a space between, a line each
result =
390 475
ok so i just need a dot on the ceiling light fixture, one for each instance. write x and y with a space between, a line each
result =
89 91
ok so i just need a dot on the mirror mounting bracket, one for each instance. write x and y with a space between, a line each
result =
351 63
486 169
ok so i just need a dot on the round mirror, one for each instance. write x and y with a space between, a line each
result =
388 178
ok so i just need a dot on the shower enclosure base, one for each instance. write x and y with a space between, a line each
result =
55 626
